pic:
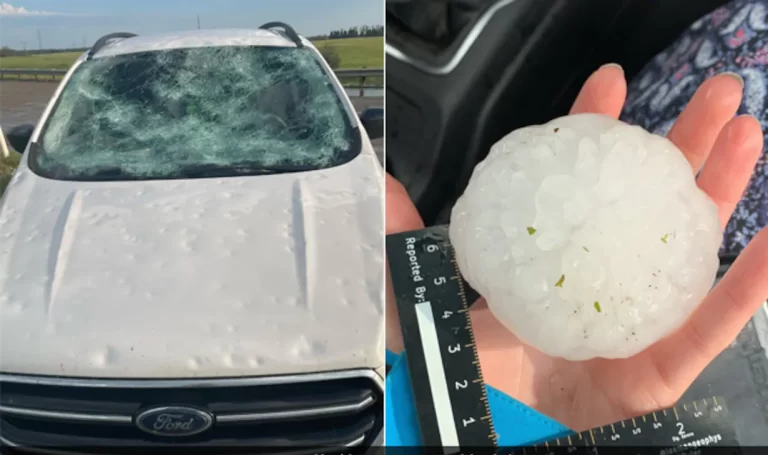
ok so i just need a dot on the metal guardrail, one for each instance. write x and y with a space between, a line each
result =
52 75
361 74
31 71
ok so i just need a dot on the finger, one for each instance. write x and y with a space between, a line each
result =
711 107
401 214
393 335
604 92
730 165
719 319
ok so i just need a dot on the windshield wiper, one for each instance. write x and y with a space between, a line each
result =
224 170
61 170
116 172
109 173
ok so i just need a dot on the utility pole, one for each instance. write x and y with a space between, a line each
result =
39 39
198 22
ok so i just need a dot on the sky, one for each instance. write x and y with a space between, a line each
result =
79 23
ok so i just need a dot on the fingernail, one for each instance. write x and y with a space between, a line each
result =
735 76
613 65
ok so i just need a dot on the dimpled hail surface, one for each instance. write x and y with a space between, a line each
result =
588 237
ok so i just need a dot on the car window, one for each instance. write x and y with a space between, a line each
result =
201 112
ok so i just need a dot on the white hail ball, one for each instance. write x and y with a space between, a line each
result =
588 237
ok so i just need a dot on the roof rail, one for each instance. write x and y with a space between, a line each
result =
289 31
104 40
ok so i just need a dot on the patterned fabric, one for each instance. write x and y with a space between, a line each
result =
732 38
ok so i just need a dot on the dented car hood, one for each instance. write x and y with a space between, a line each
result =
244 276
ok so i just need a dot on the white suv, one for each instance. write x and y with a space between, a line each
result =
191 252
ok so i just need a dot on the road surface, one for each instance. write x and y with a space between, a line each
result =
24 101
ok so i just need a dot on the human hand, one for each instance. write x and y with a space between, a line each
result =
587 394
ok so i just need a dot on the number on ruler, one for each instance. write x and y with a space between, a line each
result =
461 385
615 437
656 425
717 408
455 330
439 280
636 431
431 248
447 314
467 421
453 349
681 432
697 414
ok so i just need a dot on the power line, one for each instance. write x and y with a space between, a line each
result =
198 22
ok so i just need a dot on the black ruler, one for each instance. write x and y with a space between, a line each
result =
433 302
682 429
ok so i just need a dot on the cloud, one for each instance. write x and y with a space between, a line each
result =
6 9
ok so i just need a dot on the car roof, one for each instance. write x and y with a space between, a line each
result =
197 38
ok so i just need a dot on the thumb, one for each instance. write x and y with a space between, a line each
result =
401 214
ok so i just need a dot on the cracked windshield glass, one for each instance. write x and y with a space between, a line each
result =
202 112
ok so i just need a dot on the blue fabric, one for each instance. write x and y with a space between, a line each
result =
391 358
515 423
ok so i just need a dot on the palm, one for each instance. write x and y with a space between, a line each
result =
583 395
580 395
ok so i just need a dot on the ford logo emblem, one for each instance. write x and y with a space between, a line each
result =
174 421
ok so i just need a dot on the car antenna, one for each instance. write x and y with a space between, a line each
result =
289 31
104 40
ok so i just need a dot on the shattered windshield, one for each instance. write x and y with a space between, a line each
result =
202 112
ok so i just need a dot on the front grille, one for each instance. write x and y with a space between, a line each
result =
287 414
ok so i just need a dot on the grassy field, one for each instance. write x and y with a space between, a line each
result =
60 61
357 52
354 53
7 166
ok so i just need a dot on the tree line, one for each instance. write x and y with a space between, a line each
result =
354 32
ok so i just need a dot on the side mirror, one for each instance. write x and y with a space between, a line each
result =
19 136
373 122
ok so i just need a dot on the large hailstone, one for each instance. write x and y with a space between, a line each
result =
588 237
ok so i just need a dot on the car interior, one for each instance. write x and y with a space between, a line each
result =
462 74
